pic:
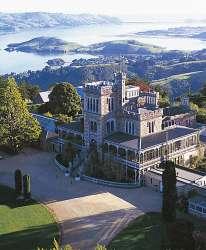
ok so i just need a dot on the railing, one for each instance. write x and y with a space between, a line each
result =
60 166
80 146
128 163
99 181
157 160
110 183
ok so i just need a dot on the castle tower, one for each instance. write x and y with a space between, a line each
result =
120 80
100 104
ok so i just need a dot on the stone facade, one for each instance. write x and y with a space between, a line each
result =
115 107
126 123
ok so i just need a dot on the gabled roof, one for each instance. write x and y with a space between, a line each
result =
47 123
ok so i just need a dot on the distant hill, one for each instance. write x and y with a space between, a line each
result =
14 22
121 47
43 45
178 85
54 45
75 75
191 32
201 36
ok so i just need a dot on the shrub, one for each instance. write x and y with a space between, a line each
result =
180 234
63 119
26 187
18 182
100 247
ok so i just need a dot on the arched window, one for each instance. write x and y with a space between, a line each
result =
87 104
93 106
90 104
93 126
110 126
130 127
97 105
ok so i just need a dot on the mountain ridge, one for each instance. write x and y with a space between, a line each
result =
16 22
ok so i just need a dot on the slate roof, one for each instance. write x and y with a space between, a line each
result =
47 123
74 126
45 96
150 140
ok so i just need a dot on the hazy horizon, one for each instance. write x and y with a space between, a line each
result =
131 9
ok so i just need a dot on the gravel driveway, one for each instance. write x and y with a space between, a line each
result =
88 213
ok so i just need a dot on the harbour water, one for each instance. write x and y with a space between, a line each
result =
85 35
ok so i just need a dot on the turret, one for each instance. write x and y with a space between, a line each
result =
120 79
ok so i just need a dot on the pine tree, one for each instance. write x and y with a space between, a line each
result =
169 191
26 186
18 182
17 126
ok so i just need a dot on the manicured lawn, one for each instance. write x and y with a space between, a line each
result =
147 232
143 233
24 225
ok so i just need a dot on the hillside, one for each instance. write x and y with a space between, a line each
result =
14 22
178 85
192 32
164 71
75 75
43 45
201 36
54 45
120 47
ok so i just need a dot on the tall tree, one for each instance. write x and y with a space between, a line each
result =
28 91
18 182
17 125
64 99
169 191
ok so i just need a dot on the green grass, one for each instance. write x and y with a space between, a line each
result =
167 80
147 232
24 225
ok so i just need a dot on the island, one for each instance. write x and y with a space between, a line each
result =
56 62
120 47
185 32
44 45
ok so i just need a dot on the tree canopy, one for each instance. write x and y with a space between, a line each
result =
17 125
65 100
28 91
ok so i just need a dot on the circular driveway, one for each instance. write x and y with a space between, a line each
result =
87 213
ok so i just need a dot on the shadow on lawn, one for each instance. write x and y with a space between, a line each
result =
8 198
29 239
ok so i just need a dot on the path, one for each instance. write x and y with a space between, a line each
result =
88 213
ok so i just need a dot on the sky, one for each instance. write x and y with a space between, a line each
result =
171 8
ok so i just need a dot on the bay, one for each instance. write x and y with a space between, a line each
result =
19 62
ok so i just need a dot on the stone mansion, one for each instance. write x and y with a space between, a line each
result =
126 123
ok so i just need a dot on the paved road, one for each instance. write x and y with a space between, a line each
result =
88 213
